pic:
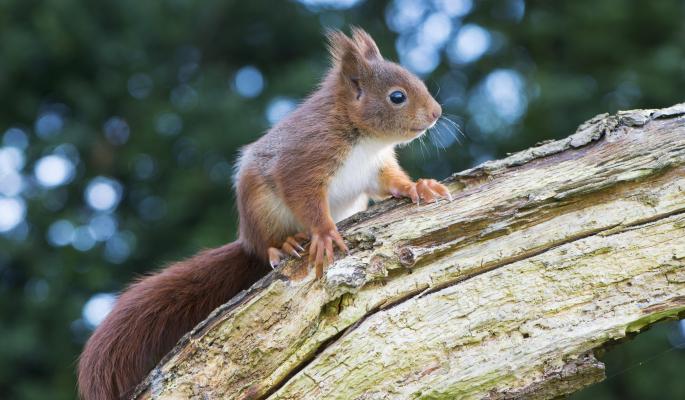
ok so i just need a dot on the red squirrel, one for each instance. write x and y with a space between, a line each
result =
318 165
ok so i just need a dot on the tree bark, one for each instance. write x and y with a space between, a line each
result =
505 292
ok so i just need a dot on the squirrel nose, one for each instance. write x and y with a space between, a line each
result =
437 111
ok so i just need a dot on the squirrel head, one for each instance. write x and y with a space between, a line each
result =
381 98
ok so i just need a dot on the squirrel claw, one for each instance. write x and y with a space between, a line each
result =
274 257
431 190
294 243
291 246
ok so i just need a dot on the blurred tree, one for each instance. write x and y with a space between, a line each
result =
121 120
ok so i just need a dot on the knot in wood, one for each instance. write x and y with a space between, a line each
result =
407 256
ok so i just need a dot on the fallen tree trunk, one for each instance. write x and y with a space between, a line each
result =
504 292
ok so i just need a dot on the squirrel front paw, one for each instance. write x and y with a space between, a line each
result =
428 190
321 247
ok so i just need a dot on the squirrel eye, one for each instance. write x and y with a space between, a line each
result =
398 97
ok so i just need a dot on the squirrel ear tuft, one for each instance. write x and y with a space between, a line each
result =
338 44
366 44
347 54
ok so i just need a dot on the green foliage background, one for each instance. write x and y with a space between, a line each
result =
77 58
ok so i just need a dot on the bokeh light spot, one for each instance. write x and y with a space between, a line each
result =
512 10
37 289
279 108
139 86
435 30
103 226
184 97
11 183
11 159
116 130
144 166
12 212
249 82
505 92
60 233
221 172
498 102
405 14
421 59
53 170
97 307
119 247
15 137
69 151
83 239
454 8
330 4
187 70
103 194
470 44
49 124
169 124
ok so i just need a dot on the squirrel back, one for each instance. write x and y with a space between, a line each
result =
154 312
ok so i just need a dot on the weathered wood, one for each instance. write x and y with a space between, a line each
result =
504 292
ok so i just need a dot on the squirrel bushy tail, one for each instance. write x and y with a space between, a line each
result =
155 312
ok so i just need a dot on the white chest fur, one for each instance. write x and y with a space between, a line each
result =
357 176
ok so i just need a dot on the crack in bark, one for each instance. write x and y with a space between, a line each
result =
518 209
330 342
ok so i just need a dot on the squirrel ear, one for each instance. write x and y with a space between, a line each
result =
366 44
347 54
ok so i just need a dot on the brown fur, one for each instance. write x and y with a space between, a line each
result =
393 180
283 183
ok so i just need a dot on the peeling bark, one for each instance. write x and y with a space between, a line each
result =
505 292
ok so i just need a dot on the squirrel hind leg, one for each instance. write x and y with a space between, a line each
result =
291 246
